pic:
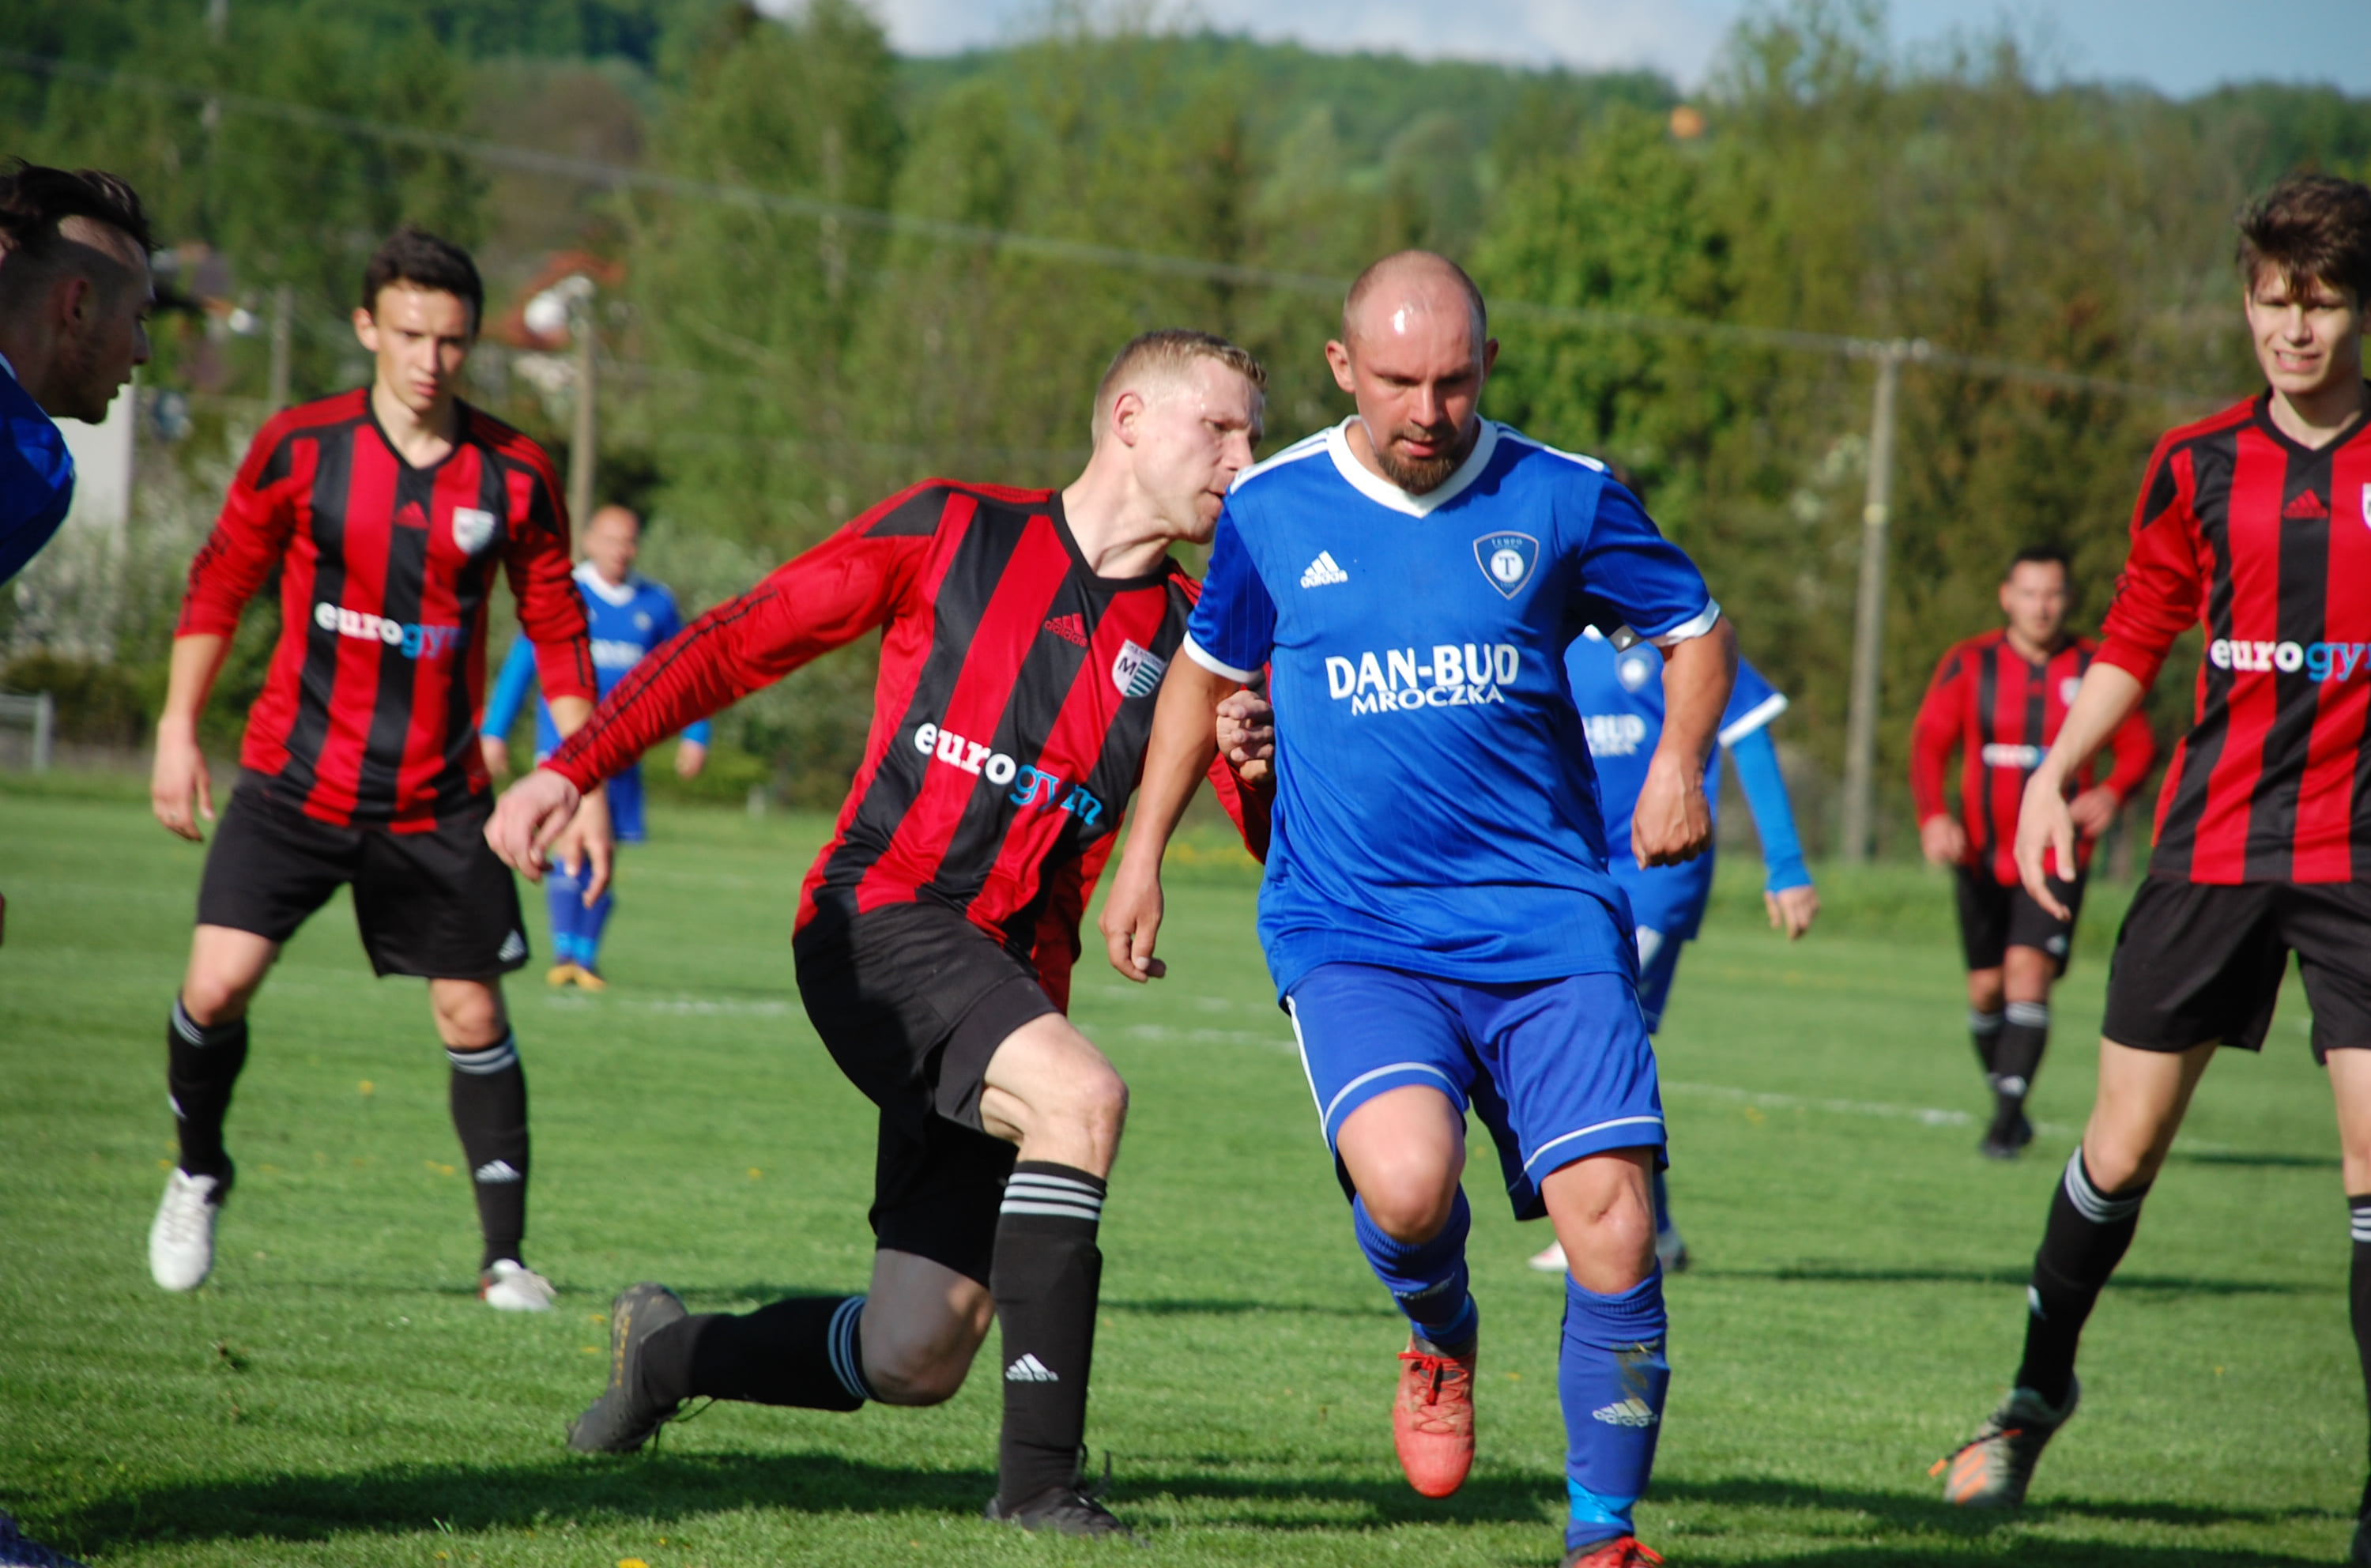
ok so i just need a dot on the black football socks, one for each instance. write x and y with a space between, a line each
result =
2089 1234
2016 1056
489 1112
1984 1029
201 1064
1047 1279
2358 1291
808 1352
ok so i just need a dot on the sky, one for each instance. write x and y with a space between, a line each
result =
2178 47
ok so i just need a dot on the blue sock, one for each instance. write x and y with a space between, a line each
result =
565 897
1426 1278
1662 1207
588 928
1612 1379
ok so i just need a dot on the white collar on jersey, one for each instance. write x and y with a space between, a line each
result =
611 595
1381 491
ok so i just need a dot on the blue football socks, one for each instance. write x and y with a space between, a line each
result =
1426 1278
575 930
1612 1378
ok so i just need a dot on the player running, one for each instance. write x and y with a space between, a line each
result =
630 615
2256 523
1437 912
1024 632
2000 700
386 513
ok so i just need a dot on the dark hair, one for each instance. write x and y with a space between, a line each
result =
413 256
2040 555
35 200
2312 227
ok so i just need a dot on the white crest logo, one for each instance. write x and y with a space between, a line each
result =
1136 671
2068 688
472 528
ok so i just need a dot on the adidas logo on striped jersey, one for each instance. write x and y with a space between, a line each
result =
1069 628
1323 571
1029 1369
1632 1411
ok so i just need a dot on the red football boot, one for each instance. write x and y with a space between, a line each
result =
1432 1420
1623 1551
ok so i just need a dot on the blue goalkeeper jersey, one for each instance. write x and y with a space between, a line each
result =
625 623
1436 809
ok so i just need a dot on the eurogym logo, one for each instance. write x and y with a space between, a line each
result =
1466 674
1029 786
2318 660
412 641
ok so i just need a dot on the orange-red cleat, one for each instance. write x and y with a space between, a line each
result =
1432 1420
1623 1551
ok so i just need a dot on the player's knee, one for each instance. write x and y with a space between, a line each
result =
1409 1202
1094 1110
921 1371
212 999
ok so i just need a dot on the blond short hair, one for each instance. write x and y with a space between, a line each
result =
1165 355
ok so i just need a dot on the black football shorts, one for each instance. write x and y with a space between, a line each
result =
1995 918
437 903
911 1000
2196 962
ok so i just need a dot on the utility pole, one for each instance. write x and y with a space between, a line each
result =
581 439
1868 610
284 309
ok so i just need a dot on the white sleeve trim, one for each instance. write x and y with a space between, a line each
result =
1769 708
1703 621
1204 657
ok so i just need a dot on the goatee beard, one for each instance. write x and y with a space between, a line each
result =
1419 475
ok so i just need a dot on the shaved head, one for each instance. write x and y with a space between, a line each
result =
1388 296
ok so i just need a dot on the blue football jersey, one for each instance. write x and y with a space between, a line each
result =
624 623
37 476
1437 811
1620 696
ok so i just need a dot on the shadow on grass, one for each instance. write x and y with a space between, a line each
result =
2264 1161
665 1488
2017 1278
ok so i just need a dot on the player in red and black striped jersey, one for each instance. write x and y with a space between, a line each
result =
387 513
1023 635
2256 526
1998 701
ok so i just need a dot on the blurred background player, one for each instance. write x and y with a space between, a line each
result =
628 615
1023 634
1437 914
2255 523
2000 700
387 512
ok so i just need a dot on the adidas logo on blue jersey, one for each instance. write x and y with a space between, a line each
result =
1323 571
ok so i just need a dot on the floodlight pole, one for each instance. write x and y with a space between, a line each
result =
1868 610
581 439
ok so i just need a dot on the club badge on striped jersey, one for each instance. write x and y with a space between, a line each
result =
473 528
1507 560
1137 672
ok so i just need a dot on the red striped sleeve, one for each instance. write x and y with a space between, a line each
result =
2159 591
1938 731
258 514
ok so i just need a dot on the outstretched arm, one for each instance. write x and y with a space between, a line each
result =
1183 744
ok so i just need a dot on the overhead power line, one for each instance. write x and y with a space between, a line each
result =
619 176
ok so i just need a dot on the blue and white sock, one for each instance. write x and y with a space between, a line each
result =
589 923
1426 1278
1612 1379
564 895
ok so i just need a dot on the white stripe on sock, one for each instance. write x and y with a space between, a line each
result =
839 1339
1059 1211
2031 1015
502 1053
2090 1202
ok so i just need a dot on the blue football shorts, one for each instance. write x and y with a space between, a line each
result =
1668 903
1557 1069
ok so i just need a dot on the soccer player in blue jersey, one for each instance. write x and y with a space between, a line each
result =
1438 914
629 616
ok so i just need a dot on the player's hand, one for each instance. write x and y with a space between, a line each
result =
2045 839
1131 922
587 846
180 791
497 753
1943 841
2093 810
1246 732
690 756
1672 820
1792 910
531 814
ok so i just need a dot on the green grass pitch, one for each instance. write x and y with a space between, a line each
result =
335 1395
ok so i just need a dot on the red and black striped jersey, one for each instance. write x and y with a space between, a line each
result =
369 711
2001 712
2267 543
1009 722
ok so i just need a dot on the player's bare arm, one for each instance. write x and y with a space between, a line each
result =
1183 744
2046 822
180 791
1673 822
587 839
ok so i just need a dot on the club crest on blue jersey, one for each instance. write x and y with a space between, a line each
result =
1507 560
1136 671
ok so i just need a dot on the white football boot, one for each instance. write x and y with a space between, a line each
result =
181 1241
511 1287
